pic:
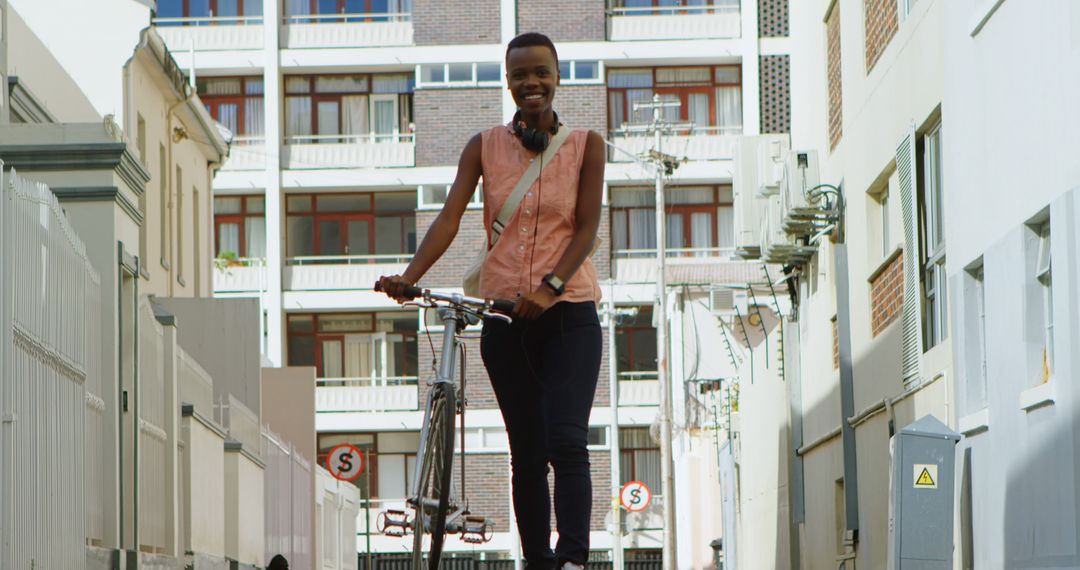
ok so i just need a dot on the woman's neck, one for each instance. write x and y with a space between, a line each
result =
543 121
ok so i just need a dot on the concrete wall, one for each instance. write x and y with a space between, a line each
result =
204 488
288 406
244 538
223 336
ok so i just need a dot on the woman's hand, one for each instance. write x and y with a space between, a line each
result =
534 304
394 287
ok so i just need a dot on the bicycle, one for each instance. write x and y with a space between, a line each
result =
436 512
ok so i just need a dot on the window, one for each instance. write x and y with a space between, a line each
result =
639 458
348 11
883 204
698 219
904 7
390 460
433 196
670 7
460 75
935 310
140 141
348 108
348 348
635 346
203 12
350 225
975 380
584 72
710 97
236 103
240 226
1043 278
179 269
164 206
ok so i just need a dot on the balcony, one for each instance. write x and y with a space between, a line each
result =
639 389
374 394
342 272
697 143
674 22
348 30
211 33
246 153
700 265
308 152
242 275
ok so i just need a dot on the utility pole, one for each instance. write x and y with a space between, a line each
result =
663 165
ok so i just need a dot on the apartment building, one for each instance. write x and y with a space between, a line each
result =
347 121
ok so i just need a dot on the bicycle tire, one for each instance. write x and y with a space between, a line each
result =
435 479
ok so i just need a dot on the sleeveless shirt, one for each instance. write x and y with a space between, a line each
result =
539 232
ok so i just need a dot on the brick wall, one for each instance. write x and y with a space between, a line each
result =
773 18
450 269
487 486
583 106
601 485
835 101
563 20
440 22
447 118
835 344
775 94
882 22
887 295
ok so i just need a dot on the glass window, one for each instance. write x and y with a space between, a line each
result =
586 70
460 72
433 73
228 205
341 84
343 203
239 227
488 72
395 202
564 70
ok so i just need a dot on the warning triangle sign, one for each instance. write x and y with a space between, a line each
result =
925 479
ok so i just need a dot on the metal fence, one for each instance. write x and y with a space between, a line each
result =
47 313
288 501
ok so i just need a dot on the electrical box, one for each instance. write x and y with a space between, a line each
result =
921 496
770 164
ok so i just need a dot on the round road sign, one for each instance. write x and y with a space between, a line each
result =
345 462
635 496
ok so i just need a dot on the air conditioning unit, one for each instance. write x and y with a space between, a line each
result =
723 300
770 163
748 203
778 245
800 176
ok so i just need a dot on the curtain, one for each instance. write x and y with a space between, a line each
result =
254 118
616 109
229 238
698 110
391 84
729 109
683 195
701 229
358 357
674 231
354 116
328 120
221 87
331 359
255 236
725 227
636 95
298 7
384 119
229 116
642 224
297 116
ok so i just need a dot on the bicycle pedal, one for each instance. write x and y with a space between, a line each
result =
393 523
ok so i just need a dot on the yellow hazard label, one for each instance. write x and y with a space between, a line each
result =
926 476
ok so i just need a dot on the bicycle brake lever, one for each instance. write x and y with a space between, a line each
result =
420 304
505 318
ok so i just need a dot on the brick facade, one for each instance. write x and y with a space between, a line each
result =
882 21
887 295
487 484
442 22
835 344
775 94
563 20
835 93
773 18
447 118
583 106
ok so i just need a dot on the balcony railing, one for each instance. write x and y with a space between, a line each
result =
714 252
373 29
695 143
349 151
211 33
245 274
639 388
340 272
674 22
370 394
701 265
247 152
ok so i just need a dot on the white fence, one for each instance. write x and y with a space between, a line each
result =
289 501
153 438
49 308
338 506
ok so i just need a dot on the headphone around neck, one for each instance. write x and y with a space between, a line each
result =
534 139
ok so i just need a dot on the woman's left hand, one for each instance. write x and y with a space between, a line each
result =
534 304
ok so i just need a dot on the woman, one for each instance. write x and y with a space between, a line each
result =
544 367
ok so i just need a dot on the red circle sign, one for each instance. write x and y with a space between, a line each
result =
345 462
635 496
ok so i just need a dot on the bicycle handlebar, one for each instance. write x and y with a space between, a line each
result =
500 305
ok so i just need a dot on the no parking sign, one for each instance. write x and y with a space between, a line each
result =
345 462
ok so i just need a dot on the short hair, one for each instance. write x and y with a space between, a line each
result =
530 39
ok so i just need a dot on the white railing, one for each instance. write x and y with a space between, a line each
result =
348 30
246 153
348 259
240 274
339 507
349 151
695 143
674 22
370 381
714 252
288 501
153 508
46 319
400 393
364 138
377 17
686 265
342 272
639 388
208 21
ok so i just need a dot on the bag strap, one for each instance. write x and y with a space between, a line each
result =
526 181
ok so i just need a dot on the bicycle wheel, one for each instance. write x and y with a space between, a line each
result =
436 465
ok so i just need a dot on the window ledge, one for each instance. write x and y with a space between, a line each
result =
1040 396
885 263
974 423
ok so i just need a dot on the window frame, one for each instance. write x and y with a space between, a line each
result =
572 78
447 83
241 219
402 132
211 18
1044 279
642 322
682 91
932 238
684 210
411 361
315 16
658 8
345 216
214 102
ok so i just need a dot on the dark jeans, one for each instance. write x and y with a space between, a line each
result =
544 373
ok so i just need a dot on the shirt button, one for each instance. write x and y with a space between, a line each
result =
521 247
524 229
529 194
528 212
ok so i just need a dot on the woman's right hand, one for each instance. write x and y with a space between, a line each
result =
394 286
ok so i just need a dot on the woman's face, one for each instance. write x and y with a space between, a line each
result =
532 75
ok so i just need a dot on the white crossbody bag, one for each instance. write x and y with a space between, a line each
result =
471 282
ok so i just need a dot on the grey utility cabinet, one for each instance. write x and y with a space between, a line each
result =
921 496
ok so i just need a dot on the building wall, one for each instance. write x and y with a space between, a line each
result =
446 119
442 22
288 394
583 106
563 20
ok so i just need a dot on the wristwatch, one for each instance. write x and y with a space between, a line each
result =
557 285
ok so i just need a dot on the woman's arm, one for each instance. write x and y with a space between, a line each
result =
587 218
442 231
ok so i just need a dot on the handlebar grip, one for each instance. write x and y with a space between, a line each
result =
502 305
413 292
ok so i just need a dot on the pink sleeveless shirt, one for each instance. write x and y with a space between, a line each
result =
539 232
